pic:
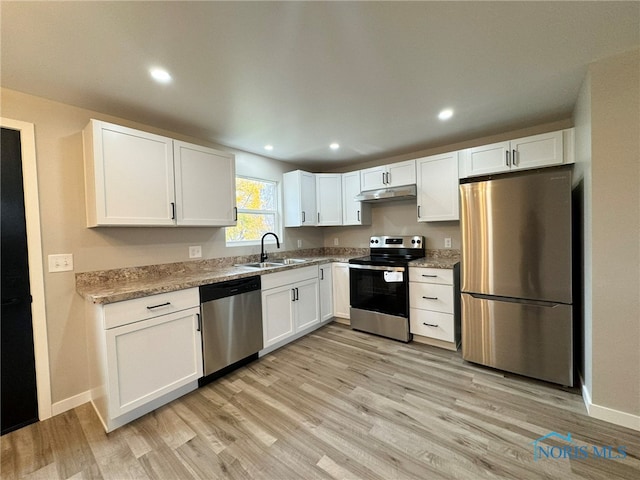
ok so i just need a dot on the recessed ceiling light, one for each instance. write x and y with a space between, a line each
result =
445 114
268 147
160 75
334 146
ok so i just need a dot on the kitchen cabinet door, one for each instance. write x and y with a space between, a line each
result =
537 151
486 159
299 199
329 198
307 304
353 213
401 173
277 314
128 176
373 178
326 292
205 186
153 357
341 301
437 188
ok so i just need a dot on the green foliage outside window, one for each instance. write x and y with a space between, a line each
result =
257 210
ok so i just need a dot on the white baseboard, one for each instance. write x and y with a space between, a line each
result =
608 414
71 402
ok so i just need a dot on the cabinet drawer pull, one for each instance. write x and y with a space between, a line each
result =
173 211
199 327
430 324
322 274
297 297
158 306
388 178
507 154
383 179
304 217
430 276
418 211
430 298
318 217
513 158
235 214
358 215
293 294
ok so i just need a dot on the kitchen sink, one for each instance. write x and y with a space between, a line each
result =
274 263
261 264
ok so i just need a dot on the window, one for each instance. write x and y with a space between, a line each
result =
257 202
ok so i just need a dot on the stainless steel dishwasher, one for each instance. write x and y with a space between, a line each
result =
231 325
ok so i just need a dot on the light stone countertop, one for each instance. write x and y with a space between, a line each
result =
110 286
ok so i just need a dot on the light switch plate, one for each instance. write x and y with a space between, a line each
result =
61 262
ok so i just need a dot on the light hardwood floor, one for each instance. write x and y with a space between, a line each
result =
337 404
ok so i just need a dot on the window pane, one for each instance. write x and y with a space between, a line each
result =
255 194
251 227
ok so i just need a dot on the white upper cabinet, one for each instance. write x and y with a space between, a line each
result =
299 199
542 150
205 186
128 176
135 178
437 188
392 175
353 212
329 198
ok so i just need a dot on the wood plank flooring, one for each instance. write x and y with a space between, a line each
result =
337 404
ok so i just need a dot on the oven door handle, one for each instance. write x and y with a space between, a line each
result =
376 267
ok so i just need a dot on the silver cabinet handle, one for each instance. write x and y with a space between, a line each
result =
358 215
159 305
418 211
430 324
513 158
318 217
388 178
383 180
430 298
304 217
507 154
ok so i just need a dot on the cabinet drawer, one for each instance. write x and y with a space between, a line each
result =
431 296
431 275
129 311
431 324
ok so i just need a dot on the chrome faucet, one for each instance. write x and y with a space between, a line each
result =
263 254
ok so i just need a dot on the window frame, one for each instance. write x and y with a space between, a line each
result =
277 216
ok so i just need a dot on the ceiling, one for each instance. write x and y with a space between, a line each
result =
371 76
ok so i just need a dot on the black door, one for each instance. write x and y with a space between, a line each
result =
18 395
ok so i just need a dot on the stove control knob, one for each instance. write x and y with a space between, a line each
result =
372 241
377 241
418 241
413 241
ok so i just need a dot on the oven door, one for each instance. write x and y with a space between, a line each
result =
382 289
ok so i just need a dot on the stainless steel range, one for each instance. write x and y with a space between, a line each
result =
379 286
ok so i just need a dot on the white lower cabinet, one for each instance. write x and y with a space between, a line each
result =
431 306
325 277
143 354
290 305
341 300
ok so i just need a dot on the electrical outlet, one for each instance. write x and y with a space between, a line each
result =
195 252
447 242
336 241
61 263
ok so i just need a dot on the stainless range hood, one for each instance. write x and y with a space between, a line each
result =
387 194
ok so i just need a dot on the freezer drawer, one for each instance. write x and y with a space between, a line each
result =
528 339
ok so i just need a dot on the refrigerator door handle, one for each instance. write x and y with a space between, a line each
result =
521 301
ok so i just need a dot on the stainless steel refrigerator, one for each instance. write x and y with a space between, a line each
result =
517 310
